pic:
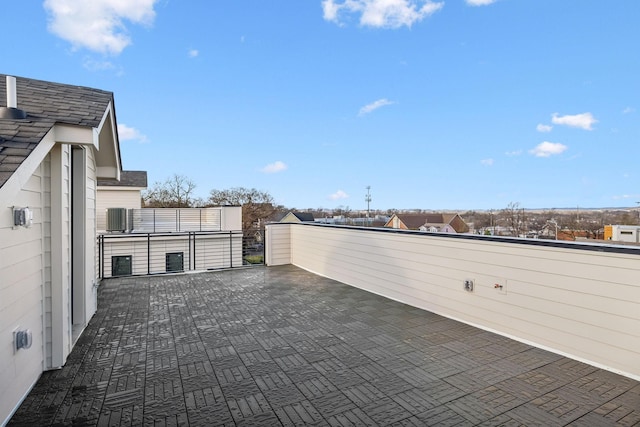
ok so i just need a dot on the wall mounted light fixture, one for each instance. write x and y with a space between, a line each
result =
22 339
22 217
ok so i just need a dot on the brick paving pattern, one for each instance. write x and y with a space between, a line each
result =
279 346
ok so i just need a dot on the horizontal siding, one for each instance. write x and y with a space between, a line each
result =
278 238
21 293
585 304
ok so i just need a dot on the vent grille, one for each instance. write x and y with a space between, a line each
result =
117 219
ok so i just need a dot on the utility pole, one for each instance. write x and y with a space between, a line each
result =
367 199
493 231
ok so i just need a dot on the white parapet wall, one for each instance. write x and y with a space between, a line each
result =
579 300
278 242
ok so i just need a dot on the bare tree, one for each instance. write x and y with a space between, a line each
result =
514 217
481 220
175 192
570 226
257 206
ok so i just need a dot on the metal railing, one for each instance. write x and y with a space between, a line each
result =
167 220
138 254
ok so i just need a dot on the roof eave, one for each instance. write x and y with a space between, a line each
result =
108 160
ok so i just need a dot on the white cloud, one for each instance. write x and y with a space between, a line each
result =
513 153
374 106
547 149
544 128
339 195
97 25
381 13
274 167
583 121
127 133
487 162
626 196
193 53
628 110
93 65
480 2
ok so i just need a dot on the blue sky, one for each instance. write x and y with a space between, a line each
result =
454 104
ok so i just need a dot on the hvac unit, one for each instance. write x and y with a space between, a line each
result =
117 219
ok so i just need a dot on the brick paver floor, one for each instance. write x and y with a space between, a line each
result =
275 346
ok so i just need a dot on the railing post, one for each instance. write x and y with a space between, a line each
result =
231 249
193 253
149 249
264 245
101 254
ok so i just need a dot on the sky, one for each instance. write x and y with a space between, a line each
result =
453 104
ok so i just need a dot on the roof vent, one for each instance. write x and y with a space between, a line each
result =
11 111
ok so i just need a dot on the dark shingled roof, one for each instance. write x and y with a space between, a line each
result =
304 216
127 179
46 104
412 221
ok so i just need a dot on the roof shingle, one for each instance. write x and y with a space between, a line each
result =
127 179
46 104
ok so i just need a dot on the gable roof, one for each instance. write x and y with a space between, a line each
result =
304 216
127 179
438 220
411 221
300 216
46 104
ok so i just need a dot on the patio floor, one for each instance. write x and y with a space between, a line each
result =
272 346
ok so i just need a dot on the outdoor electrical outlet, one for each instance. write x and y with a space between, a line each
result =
500 286
468 285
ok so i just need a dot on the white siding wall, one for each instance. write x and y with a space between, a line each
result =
278 245
581 303
21 299
91 302
58 289
231 218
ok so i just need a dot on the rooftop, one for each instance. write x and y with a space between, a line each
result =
127 179
280 346
46 104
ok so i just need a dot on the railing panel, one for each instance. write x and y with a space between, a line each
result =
156 253
169 220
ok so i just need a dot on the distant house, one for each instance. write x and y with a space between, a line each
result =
434 222
123 193
406 221
622 233
298 217
56 142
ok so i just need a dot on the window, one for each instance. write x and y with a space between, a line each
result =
629 233
121 265
174 261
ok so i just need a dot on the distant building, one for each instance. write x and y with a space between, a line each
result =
435 222
125 193
622 233
298 217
